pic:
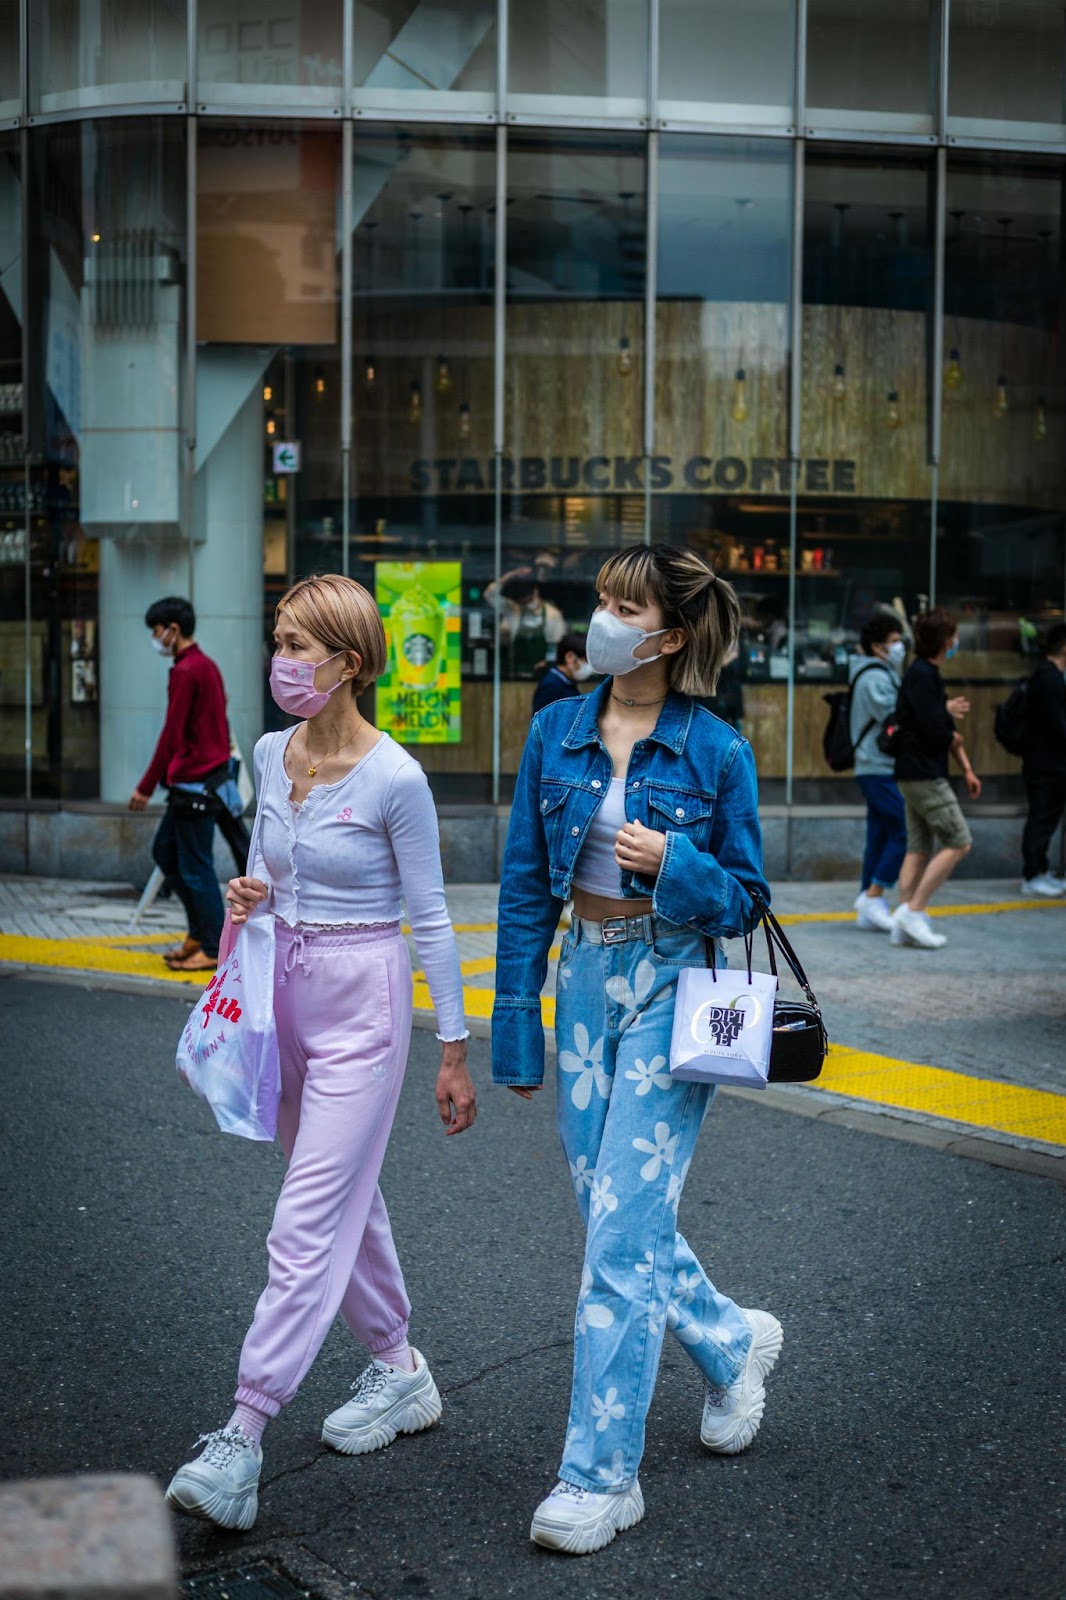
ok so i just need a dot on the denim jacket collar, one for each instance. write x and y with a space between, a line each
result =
671 729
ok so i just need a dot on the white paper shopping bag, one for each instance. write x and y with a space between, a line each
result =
723 1026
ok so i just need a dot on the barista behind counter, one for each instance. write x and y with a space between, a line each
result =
530 626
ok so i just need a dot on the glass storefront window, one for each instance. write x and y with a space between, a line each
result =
575 476
872 64
1007 69
270 52
13 510
720 472
423 487
568 59
407 54
9 58
1001 533
727 63
118 52
863 496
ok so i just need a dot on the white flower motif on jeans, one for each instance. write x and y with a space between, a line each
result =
582 1173
612 1473
648 1264
632 995
685 1286
609 1409
563 976
594 1315
662 1151
601 1196
587 1067
676 1184
646 1074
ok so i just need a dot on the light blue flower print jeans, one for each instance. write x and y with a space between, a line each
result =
629 1131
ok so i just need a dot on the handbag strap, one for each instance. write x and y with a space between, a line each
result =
775 934
257 825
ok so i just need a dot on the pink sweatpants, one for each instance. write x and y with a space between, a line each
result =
342 1000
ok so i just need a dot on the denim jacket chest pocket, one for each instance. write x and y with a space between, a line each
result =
675 810
564 811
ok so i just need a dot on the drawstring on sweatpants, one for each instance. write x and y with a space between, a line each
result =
295 953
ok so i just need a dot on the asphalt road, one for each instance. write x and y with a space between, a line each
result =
912 1440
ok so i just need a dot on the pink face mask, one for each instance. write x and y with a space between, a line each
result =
292 683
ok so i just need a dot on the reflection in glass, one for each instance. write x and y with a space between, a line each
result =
9 57
1001 535
723 62
260 51
721 472
872 64
562 56
408 53
13 511
863 514
424 470
117 52
1006 66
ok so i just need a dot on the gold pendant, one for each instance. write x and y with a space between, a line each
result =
311 771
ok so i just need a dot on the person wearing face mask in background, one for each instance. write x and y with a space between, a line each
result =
875 677
560 682
531 627
192 757
938 835
348 837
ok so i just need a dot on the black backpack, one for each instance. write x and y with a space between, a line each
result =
837 745
1011 719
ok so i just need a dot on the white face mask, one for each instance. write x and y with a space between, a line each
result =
896 653
159 645
610 644
583 672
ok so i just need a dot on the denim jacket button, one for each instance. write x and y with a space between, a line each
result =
575 831
679 812
596 784
544 805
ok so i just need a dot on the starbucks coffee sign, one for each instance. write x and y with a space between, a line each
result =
602 474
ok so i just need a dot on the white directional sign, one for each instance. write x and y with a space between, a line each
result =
286 455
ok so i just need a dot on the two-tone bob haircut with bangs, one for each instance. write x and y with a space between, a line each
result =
690 595
341 615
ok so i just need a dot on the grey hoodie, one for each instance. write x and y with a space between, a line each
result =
872 700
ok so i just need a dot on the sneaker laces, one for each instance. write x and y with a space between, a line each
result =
569 1491
370 1382
223 1446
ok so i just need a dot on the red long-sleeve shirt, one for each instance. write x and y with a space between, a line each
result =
195 736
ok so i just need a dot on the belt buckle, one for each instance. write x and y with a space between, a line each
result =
614 930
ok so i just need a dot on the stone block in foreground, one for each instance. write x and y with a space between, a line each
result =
91 1538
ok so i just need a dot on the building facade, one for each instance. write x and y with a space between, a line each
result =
441 294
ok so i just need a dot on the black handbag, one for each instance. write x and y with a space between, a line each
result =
800 1043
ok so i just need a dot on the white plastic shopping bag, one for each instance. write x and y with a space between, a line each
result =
228 1052
723 1026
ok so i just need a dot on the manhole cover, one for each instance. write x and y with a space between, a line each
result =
242 1583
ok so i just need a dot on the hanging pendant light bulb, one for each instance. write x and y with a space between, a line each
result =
953 372
369 372
740 396
1002 405
839 387
1040 421
414 405
444 377
268 393
271 424
625 358
320 382
464 420
892 410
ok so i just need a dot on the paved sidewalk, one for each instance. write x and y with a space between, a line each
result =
961 1046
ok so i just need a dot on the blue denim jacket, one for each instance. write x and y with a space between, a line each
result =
692 778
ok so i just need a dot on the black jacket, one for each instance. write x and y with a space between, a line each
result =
1045 723
554 685
926 727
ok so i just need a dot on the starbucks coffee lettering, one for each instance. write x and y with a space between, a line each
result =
603 474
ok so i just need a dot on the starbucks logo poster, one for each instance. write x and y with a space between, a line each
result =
419 696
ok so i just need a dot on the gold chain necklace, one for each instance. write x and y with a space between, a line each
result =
312 767
623 702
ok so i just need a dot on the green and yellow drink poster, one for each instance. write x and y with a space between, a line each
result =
419 696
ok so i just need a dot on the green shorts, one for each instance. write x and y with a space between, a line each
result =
934 817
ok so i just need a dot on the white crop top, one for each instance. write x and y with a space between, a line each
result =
357 851
596 870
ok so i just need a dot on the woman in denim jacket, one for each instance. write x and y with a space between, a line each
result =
642 806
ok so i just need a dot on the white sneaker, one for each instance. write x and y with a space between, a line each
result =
914 927
385 1402
577 1521
1047 886
872 914
731 1417
222 1484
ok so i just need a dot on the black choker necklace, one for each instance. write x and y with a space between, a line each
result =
624 702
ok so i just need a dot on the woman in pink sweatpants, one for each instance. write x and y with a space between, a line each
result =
347 835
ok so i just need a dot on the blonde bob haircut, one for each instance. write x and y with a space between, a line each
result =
341 615
691 596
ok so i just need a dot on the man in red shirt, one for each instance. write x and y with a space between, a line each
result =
191 758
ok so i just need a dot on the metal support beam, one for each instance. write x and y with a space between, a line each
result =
347 247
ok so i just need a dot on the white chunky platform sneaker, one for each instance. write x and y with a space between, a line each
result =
384 1402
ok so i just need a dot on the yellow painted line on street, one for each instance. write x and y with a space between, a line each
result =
791 918
84 956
